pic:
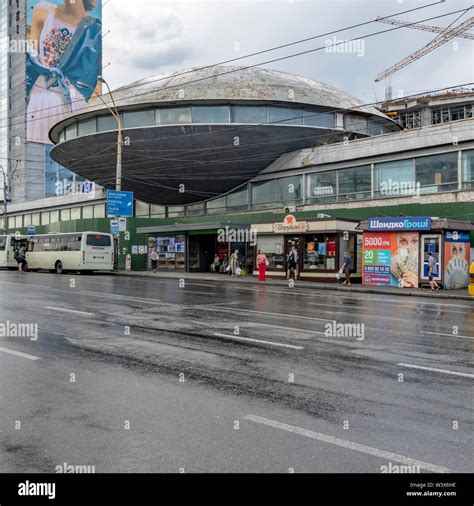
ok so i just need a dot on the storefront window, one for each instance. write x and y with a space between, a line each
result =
355 183
468 170
321 186
288 190
171 252
319 252
395 179
273 247
437 173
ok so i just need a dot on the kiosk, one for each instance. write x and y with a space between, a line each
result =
396 251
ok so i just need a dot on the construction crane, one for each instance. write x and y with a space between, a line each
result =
425 28
445 36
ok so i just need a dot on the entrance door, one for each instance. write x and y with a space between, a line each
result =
297 242
430 244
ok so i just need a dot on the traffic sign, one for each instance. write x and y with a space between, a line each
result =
31 230
119 203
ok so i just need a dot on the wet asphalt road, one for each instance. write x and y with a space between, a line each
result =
142 375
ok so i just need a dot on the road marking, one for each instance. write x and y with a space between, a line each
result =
69 311
284 328
361 315
19 354
233 309
449 335
444 371
343 443
259 341
208 305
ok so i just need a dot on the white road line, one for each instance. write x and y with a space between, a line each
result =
343 443
449 335
83 313
357 313
234 309
19 354
259 341
444 371
293 329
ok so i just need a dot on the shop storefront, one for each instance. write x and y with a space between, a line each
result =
396 251
320 246
193 248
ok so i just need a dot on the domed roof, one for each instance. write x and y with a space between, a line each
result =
235 83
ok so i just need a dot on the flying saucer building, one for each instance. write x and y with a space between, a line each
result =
194 135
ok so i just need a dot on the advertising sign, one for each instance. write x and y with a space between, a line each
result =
395 224
63 61
119 203
290 225
391 259
456 260
114 227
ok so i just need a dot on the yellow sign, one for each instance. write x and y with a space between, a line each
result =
290 225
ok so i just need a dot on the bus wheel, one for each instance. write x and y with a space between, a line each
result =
59 269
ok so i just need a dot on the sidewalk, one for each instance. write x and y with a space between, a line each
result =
225 279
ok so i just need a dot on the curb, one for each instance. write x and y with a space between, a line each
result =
313 286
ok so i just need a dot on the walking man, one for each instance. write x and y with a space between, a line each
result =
431 271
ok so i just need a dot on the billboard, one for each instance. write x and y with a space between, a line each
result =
456 260
63 61
391 259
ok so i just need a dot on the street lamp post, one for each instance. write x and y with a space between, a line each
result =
5 199
116 115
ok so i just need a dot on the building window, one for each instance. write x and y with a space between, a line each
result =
157 211
376 128
468 170
76 213
142 210
45 218
27 220
394 179
238 199
273 247
289 190
216 206
54 216
65 215
71 131
11 222
319 119
99 211
263 193
106 123
410 120
87 212
355 183
176 212
437 173
286 116
319 252
249 114
35 219
322 186
18 222
173 115
88 126
138 119
211 114
354 123
195 210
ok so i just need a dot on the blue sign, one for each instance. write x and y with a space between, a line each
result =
383 256
457 236
31 230
396 224
119 203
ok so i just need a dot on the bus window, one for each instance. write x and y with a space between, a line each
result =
74 243
98 240
3 242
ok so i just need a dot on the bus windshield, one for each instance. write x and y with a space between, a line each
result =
98 240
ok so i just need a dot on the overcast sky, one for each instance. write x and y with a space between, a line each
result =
149 37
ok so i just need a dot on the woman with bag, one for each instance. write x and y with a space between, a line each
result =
262 264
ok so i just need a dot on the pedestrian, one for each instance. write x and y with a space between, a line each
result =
292 262
234 263
347 268
154 260
431 270
215 264
21 258
262 264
